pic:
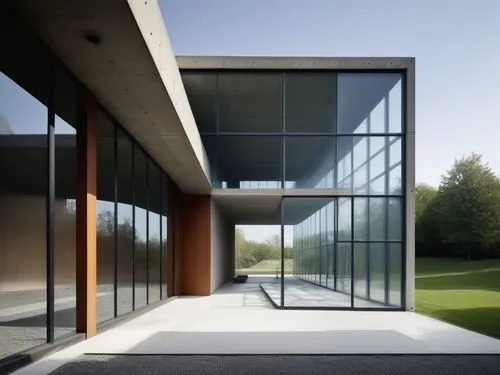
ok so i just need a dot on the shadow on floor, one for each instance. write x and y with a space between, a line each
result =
62 318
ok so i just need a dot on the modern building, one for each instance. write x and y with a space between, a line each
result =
124 170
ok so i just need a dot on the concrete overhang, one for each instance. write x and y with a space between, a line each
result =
293 63
132 72
263 206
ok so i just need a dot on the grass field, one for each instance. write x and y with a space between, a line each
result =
465 293
267 267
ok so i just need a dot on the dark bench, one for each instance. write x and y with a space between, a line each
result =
240 279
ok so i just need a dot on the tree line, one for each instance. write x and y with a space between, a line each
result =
249 253
461 217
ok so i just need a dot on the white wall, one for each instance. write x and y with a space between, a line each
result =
222 249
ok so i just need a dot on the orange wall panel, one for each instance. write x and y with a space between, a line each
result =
194 248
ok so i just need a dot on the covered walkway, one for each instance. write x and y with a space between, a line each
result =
240 320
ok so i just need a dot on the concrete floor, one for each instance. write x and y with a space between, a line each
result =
238 319
23 314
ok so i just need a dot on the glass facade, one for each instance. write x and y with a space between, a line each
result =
333 141
131 223
42 112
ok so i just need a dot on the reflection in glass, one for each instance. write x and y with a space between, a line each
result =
200 89
310 161
125 229
154 223
65 206
105 211
343 274
249 162
360 270
395 274
377 271
141 228
250 102
23 190
311 100
372 97
164 235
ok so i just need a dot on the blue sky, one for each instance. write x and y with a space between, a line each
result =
455 43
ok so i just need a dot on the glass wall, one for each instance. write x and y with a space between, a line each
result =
24 92
131 223
334 142
66 115
42 109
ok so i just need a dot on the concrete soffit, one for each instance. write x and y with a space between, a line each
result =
132 72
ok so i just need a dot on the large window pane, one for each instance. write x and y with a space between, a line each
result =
361 224
65 205
23 181
377 219
311 101
164 235
154 223
201 89
395 217
125 228
360 271
377 271
245 162
250 102
344 219
140 227
368 96
305 223
395 274
105 209
309 162
343 274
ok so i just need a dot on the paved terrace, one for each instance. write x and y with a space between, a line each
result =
239 320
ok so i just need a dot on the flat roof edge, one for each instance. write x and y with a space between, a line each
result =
284 62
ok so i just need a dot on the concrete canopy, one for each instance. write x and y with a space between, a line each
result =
132 72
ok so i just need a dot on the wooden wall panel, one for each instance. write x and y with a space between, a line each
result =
86 278
194 248
172 199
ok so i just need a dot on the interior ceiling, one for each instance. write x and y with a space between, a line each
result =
247 208
252 102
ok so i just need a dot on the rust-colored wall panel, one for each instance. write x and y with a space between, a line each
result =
86 278
194 245
172 199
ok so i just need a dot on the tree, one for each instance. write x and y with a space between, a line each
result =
424 194
468 202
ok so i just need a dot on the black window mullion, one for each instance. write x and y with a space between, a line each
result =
115 220
352 252
282 254
386 190
50 293
162 287
133 225
147 229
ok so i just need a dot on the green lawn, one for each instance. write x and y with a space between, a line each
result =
267 267
465 293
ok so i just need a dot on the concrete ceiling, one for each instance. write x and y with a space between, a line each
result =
132 72
246 207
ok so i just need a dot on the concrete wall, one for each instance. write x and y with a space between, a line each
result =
222 248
